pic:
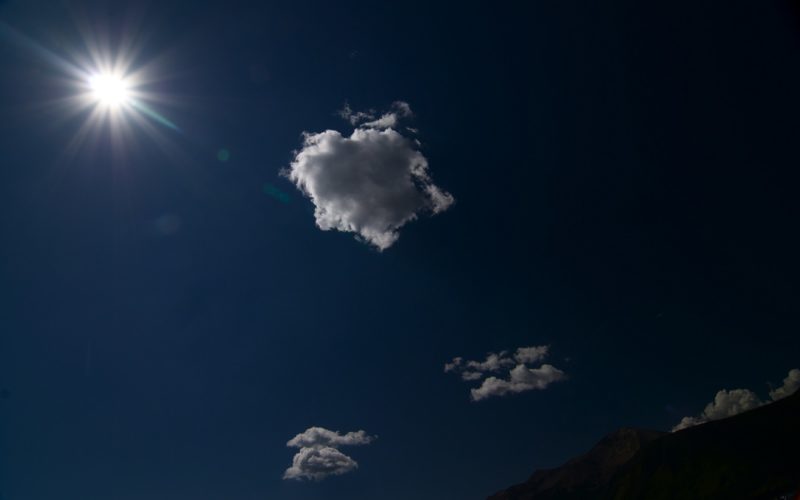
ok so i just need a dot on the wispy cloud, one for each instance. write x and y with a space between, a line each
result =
355 117
366 119
391 119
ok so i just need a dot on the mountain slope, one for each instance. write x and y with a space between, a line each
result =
754 455
587 474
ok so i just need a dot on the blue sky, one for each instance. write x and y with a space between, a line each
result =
172 316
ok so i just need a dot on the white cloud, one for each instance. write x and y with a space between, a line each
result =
389 120
497 361
370 183
730 403
355 117
366 119
319 457
400 110
790 385
494 362
725 404
319 436
531 354
453 365
687 422
318 463
520 378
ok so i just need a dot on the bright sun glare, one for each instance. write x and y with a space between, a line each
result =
109 89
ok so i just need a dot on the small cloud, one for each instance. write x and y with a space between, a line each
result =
531 354
318 463
402 108
366 119
520 377
355 117
318 456
319 436
730 403
687 422
494 362
790 385
399 111
371 183
453 365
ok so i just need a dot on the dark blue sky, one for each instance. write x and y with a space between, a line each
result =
625 178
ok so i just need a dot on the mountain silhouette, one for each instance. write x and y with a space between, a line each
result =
754 455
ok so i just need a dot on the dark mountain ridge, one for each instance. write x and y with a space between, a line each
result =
754 455
584 474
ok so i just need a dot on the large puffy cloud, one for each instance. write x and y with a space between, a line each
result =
520 377
730 403
725 404
370 183
318 456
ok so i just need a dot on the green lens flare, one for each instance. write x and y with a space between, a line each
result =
154 115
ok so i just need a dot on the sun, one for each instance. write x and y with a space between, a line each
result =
105 87
109 90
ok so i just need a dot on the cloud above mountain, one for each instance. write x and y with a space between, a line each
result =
370 183
728 403
519 376
318 456
790 385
